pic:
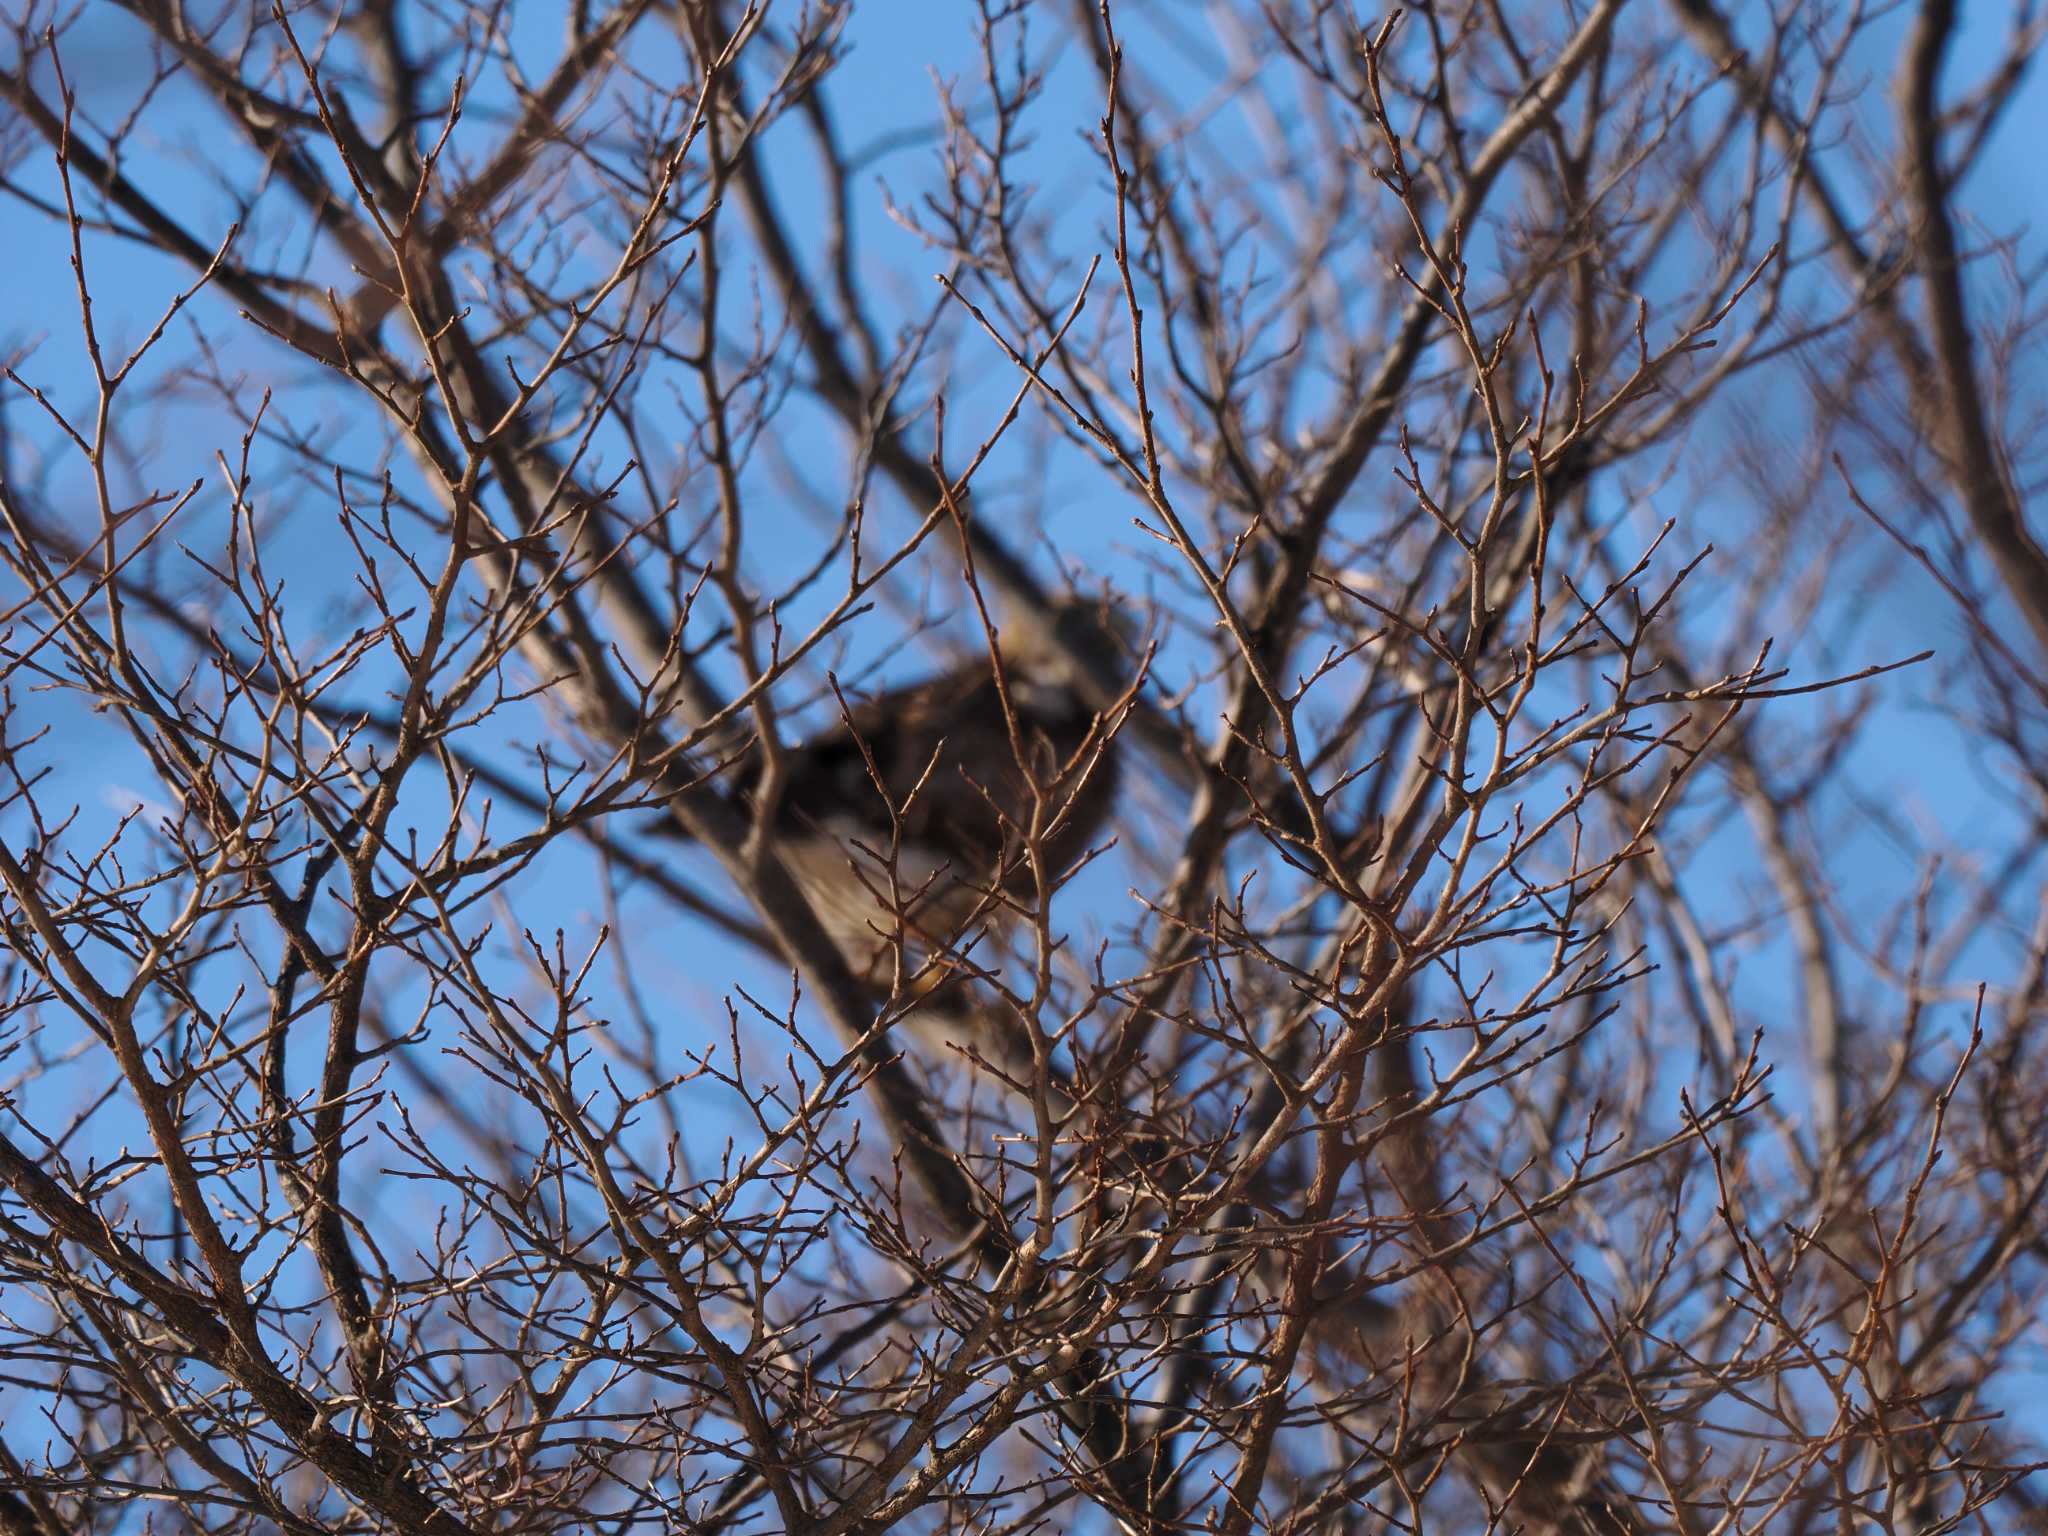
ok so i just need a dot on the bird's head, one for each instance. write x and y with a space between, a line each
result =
1075 644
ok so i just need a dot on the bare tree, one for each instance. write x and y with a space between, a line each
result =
1347 838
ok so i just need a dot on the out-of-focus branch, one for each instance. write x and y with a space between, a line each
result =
1953 398
1939 369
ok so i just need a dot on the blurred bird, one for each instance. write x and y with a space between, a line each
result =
910 822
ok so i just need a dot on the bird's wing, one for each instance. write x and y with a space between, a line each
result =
955 718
